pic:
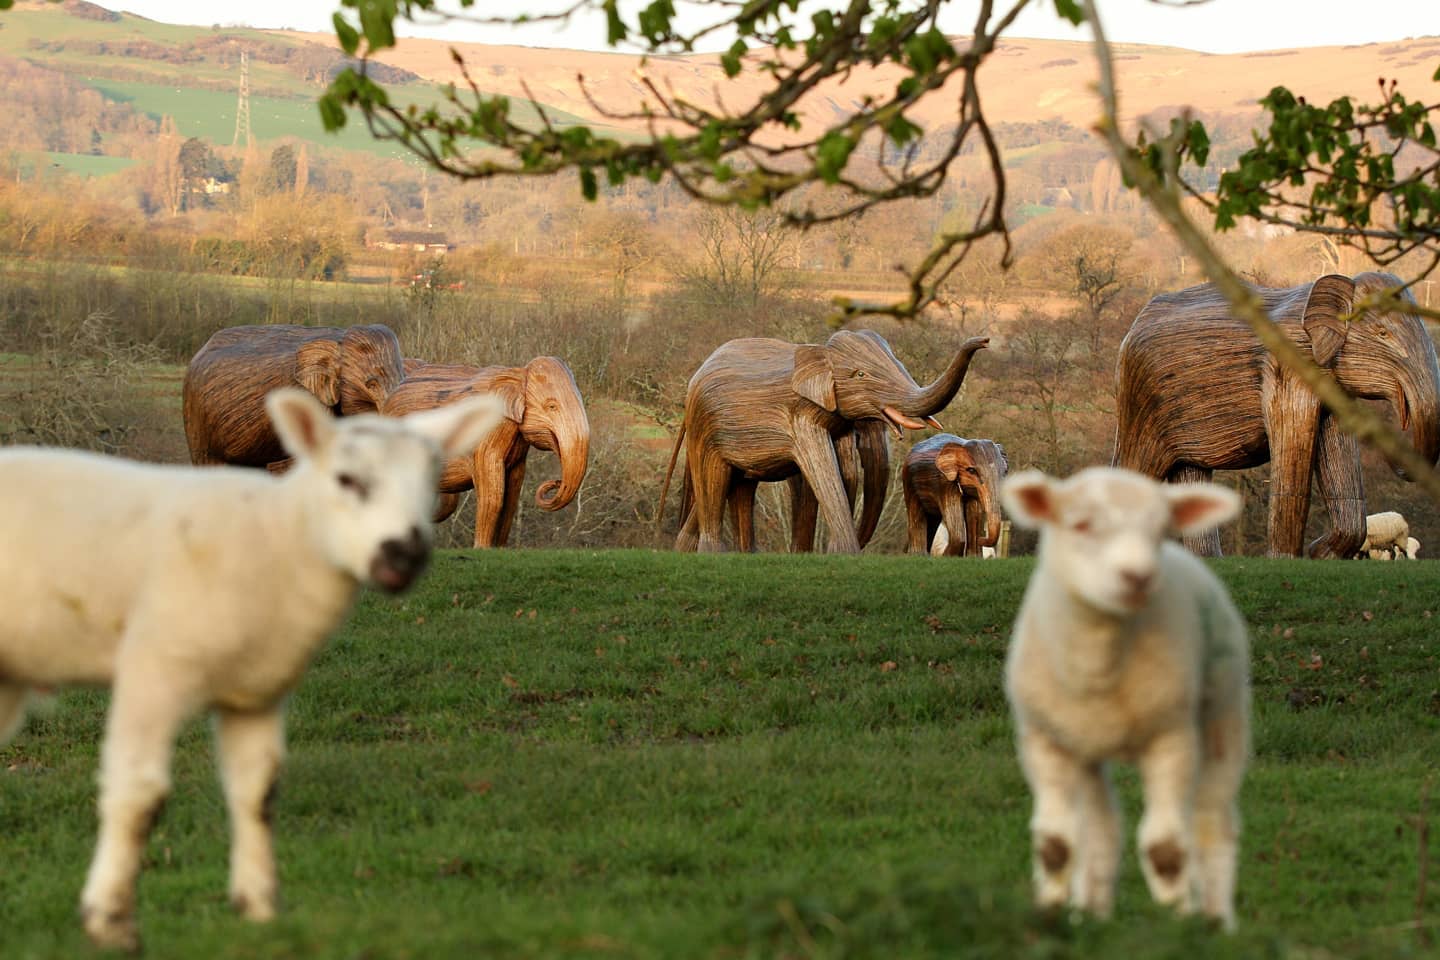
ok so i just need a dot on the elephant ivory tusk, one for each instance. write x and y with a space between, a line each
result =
900 420
935 423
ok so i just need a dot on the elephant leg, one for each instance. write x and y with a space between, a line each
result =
514 480
688 539
1293 426
712 483
1206 544
815 455
1342 487
952 507
917 526
973 527
803 515
742 514
489 476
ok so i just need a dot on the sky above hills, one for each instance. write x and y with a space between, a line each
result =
1216 26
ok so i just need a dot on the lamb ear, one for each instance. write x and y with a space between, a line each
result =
458 428
1029 498
1197 507
303 424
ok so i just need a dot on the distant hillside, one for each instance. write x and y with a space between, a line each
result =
1026 81
192 73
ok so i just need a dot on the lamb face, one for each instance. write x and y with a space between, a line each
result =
371 489
1101 529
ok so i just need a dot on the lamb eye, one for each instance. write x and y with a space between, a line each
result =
348 481
1081 526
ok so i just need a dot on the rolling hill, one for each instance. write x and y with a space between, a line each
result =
191 73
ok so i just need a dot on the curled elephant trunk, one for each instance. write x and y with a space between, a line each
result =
937 395
574 456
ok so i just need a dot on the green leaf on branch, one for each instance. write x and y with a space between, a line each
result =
588 184
377 22
348 36
1071 11
615 30
730 59
831 155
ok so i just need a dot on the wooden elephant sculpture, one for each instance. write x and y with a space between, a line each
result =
1199 393
955 483
760 410
350 369
543 408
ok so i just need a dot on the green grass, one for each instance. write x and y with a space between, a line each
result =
636 754
33 163
210 114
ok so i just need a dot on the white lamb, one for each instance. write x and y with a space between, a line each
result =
1387 535
1127 647
188 589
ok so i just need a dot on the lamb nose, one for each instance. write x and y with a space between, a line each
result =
407 554
1136 581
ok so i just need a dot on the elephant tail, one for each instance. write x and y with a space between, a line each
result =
669 472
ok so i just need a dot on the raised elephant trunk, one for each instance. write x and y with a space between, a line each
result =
935 397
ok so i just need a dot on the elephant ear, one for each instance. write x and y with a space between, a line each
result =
813 378
951 461
317 369
514 401
1330 299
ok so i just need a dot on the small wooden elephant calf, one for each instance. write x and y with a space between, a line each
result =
954 482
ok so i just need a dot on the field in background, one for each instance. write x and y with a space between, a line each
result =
634 754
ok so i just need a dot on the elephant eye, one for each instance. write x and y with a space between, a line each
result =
860 375
1081 526
352 483
552 405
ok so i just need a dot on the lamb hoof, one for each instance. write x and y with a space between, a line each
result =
111 930
253 908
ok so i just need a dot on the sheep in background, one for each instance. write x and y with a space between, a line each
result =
942 540
188 589
1127 646
1386 536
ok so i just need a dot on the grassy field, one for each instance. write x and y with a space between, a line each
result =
635 754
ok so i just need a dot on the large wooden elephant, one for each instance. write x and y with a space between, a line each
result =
543 409
953 482
1198 393
761 410
350 369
